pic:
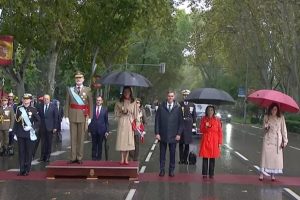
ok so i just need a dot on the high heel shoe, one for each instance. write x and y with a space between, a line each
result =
121 163
126 163
273 177
261 177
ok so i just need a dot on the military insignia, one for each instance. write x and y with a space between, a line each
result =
6 112
191 109
29 113
84 94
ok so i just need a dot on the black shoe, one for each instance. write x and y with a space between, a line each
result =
21 174
41 160
48 160
79 161
211 176
72 161
171 174
26 173
180 162
162 173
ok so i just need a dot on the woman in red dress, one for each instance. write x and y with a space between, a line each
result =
211 141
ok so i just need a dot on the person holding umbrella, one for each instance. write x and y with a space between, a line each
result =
211 141
126 112
275 139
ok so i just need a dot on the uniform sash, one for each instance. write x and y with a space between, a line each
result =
76 96
28 123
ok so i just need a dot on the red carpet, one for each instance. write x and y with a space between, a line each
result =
90 163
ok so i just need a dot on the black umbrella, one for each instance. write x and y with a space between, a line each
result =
210 96
125 78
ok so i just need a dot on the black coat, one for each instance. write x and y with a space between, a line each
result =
48 118
189 118
33 117
168 124
99 125
60 116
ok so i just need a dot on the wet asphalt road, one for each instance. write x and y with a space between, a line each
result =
236 173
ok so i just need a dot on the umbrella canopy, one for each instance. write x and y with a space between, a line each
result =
125 78
265 98
210 96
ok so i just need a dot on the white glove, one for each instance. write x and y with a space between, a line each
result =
194 124
89 121
67 121
27 128
10 130
15 138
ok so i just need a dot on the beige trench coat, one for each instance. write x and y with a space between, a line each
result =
272 152
125 134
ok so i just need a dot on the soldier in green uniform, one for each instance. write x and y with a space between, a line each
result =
6 125
78 109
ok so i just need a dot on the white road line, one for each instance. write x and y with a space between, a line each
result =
291 193
294 148
69 147
256 127
251 133
258 168
156 141
148 157
85 142
243 157
13 170
130 194
153 147
226 145
113 130
56 153
143 168
35 162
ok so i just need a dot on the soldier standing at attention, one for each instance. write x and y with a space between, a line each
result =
79 104
6 124
189 120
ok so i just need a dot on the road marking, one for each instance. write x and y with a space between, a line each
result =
13 170
153 147
293 194
130 194
143 169
56 153
258 168
113 130
256 127
243 157
226 145
251 133
69 147
35 162
156 141
85 142
148 157
294 148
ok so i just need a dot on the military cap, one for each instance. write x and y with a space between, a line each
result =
11 94
185 92
27 96
78 74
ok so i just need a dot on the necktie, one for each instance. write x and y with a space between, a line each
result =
46 109
97 112
78 90
169 107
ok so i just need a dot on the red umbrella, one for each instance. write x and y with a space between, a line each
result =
265 98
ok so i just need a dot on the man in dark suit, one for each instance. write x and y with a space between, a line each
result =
168 129
48 114
98 128
189 118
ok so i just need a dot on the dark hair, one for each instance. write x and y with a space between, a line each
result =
131 95
206 110
271 107
138 99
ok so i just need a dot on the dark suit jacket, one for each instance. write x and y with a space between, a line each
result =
60 114
189 117
33 117
168 124
49 118
99 125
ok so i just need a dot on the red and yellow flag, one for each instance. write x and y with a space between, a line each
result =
6 49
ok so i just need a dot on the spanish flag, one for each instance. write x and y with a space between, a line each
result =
6 49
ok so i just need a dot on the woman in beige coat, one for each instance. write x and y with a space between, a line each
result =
275 139
126 111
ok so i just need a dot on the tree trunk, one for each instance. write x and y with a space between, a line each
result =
53 55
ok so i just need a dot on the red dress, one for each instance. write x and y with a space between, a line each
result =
211 138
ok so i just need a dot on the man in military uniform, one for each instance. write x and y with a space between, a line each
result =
189 117
26 124
79 104
13 105
6 125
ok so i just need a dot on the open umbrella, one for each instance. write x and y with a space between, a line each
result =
125 78
265 98
210 96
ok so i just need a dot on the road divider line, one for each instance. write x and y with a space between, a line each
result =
130 194
69 147
243 157
35 162
143 168
56 153
87 141
250 133
13 170
148 157
258 168
256 127
156 141
153 147
226 145
294 148
291 193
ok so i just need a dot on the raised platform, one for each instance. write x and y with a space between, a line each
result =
92 170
